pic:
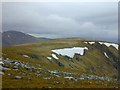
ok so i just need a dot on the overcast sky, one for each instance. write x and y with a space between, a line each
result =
59 20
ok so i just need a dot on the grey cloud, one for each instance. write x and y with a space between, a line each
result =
88 20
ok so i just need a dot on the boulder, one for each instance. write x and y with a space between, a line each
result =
47 78
2 73
18 77
4 68
15 67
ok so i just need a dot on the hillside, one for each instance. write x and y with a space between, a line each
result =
10 38
63 63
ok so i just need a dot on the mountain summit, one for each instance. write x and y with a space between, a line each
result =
10 38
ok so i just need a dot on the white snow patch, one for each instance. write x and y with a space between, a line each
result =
101 42
54 56
91 42
110 44
49 58
70 52
26 56
106 55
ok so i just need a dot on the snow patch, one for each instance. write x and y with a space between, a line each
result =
70 52
110 44
49 58
106 55
90 42
54 56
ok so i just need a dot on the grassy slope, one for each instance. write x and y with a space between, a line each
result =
40 50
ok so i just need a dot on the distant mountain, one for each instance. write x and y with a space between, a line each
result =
10 38
43 38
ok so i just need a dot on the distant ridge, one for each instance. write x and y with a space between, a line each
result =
10 38
43 38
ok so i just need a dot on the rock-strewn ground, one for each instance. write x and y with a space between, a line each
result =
25 70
